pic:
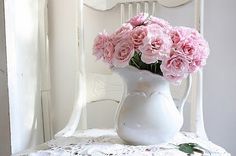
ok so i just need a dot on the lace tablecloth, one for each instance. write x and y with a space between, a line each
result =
97 142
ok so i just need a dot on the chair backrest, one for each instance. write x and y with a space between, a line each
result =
99 90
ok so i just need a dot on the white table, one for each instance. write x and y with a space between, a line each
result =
104 142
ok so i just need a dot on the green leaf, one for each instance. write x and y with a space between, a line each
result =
198 151
186 148
138 63
190 148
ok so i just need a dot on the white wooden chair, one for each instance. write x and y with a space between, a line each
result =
89 130
101 85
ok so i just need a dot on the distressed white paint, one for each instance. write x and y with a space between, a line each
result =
197 122
5 143
23 73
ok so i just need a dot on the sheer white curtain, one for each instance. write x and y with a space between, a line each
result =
24 70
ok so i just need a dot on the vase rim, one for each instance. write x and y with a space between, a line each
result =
138 70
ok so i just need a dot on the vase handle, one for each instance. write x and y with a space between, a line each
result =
186 93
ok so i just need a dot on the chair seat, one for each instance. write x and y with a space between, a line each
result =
105 142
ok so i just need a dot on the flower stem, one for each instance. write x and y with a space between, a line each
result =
135 63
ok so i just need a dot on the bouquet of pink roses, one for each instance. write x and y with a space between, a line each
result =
150 43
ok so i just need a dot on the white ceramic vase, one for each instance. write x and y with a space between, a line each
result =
147 113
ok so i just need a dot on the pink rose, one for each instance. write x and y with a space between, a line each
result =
175 68
99 44
199 58
179 34
176 64
191 44
187 48
124 51
138 19
121 33
103 47
161 22
137 35
180 50
156 45
150 50
108 52
175 37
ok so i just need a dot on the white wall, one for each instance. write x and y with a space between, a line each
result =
5 148
23 73
219 105
62 45
220 73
